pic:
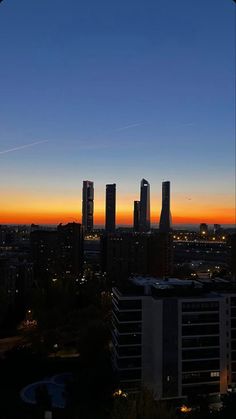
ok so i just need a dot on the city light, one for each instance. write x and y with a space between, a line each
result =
185 409
119 393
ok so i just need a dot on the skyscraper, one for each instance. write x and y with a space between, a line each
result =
110 208
136 217
144 206
87 205
165 219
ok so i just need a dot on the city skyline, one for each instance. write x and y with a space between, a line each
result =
155 100
117 209
87 215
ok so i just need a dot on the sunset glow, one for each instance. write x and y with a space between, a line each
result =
27 211
115 106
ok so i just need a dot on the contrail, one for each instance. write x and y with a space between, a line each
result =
21 147
130 126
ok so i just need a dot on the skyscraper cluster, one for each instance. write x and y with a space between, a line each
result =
141 212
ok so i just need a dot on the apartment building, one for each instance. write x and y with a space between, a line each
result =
177 337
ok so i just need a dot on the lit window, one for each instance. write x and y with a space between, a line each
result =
215 374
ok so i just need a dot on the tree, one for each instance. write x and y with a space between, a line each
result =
141 406
229 406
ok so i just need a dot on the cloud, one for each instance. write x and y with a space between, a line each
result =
21 147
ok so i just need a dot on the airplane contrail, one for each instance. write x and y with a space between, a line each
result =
130 126
21 147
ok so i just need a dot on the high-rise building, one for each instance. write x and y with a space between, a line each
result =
203 229
87 206
165 219
144 206
217 229
70 249
143 254
57 253
136 216
174 338
110 208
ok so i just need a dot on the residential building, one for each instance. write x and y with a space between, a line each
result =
70 249
176 337
57 253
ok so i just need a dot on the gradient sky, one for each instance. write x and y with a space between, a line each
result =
113 91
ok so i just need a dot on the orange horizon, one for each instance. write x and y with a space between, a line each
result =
121 218
23 207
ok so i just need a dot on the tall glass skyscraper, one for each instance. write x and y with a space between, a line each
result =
144 206
87 205
165 219
110 208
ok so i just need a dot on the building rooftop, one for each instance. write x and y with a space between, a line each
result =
171 287
166 283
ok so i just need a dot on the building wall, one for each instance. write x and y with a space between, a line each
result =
152 349
188 344
130 254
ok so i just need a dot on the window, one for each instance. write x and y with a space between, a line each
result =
130 374
200 377
201 341
128 316
201 353
201 306
129 363
215 374
129 339
201 365
129 351
130 304
200 318
200 330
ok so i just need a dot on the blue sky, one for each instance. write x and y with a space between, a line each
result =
120 91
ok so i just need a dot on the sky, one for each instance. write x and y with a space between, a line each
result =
113 92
